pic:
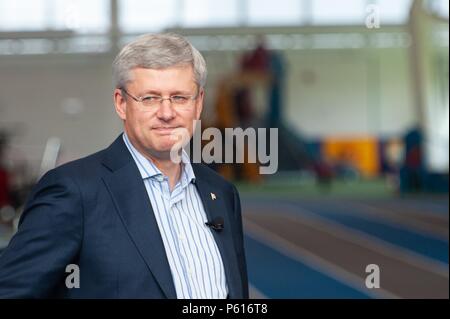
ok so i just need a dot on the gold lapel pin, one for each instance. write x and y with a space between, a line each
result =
213 196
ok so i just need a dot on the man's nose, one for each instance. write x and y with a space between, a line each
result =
165 110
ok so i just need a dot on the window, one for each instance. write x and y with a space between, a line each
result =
439 7
82 16
139 16
147 16
355 11
22 15
203 13
338 12
269 12
394 12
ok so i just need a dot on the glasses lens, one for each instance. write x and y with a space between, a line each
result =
180 100
151 100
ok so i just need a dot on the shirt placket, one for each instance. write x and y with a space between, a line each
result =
176 230
177 196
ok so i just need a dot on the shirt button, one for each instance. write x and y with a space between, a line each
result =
181 237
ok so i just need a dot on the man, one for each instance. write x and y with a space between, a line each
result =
128 221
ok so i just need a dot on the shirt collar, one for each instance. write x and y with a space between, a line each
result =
149 170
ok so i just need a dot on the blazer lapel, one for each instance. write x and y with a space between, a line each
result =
133 205
213 202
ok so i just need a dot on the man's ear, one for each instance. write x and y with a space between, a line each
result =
201 96
120 104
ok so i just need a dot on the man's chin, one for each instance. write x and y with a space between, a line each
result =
165 148
162 146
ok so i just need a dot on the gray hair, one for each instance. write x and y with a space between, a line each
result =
158 51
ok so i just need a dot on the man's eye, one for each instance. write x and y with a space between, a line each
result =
150 98
179 98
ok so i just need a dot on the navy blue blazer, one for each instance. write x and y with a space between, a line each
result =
95 213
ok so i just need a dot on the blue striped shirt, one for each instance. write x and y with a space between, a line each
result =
194 259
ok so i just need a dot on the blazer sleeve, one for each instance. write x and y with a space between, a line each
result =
48 239
240 243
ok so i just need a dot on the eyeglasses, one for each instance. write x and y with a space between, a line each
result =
156 100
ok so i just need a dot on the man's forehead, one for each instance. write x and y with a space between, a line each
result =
183 68
174 79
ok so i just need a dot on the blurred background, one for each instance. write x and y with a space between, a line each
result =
358 90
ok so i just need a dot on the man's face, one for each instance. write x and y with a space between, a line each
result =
151 129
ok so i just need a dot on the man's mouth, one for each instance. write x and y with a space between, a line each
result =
164 129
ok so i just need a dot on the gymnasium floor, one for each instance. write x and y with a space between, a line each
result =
319 247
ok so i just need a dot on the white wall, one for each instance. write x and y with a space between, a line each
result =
32 94
350 92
